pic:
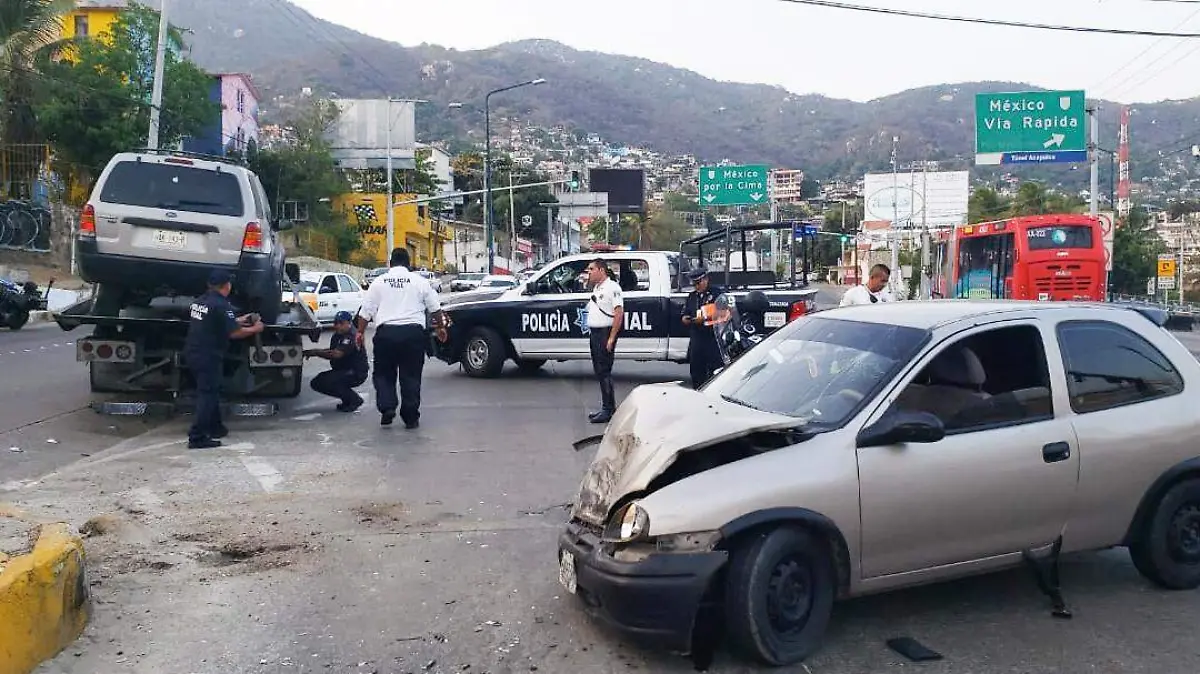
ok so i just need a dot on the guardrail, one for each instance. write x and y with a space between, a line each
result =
1183 316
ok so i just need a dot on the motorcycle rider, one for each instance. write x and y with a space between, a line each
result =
704 355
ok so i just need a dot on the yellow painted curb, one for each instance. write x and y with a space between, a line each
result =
44 603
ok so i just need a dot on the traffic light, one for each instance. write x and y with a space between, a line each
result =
574 184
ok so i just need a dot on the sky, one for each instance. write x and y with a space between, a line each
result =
827 51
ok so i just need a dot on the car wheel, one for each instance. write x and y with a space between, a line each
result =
779 595
17 320
484 353
1167 549
530 365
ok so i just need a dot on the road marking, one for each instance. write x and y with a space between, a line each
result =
308 417
265 473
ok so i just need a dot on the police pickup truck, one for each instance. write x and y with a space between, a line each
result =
543 319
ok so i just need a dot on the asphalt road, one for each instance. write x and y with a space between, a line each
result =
320 542
44 404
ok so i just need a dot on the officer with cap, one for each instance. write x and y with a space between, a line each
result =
704 356
212 326
347 364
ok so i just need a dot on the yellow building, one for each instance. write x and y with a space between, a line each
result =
424 238
92 17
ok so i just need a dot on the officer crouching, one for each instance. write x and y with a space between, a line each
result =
704 355
347 364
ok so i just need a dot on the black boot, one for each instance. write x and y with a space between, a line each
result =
608 398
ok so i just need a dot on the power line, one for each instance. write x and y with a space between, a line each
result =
1147 50
381 83
831 4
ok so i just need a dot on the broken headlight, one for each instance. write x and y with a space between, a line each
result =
630 524
700 541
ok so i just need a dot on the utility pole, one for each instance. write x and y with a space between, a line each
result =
391 207
512 225
1094 155
897 274
160 62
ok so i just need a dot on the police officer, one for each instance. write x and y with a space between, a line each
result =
704 356
347 364
212 326
605 318
398 302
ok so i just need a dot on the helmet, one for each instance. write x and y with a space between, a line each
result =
756 302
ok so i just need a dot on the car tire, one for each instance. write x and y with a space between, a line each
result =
779 595
530 365
1167 549
17 320
484 354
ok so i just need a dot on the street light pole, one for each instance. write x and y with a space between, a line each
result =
160 60
489 214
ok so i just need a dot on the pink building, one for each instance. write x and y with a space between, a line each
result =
238 123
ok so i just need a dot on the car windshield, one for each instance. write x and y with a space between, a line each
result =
821 370
471 277
174 188
498 283
378 271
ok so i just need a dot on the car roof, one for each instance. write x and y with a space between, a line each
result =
184 159
930 314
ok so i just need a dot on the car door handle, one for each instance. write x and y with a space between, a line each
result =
1056 452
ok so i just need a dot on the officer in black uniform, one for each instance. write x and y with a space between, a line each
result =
212 326
347 364
704 356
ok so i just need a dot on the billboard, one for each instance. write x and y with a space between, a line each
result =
933 199
359 139
626 188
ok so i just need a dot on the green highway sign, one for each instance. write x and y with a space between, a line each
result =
733 185
1030 127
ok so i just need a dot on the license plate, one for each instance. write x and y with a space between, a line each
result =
165 238
775 319
566 571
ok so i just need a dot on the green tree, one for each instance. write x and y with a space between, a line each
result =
304 170
29 35
677 202
1136 248
986 205
97 103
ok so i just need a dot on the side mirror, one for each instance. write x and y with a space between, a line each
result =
292 271
284 225
897 428
527 289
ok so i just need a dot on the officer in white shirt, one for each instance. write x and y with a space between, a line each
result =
873 291
605 317
398 303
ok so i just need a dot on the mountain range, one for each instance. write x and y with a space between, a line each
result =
629 100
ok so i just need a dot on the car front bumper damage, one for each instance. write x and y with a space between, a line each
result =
654 601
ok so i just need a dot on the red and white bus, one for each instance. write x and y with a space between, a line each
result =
1039 257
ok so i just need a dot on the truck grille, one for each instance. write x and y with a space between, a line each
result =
1053 282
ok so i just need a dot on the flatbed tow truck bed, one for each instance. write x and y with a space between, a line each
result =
136 361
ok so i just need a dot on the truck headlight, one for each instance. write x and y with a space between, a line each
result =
630 524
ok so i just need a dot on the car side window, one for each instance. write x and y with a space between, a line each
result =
346 285
985 380
1110 366
563 279
328 285
633 274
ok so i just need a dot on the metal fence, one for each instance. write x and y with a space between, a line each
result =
24 173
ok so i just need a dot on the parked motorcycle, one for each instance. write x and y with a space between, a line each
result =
737 331
18 301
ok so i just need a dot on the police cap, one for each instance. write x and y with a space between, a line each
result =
219 277
343 316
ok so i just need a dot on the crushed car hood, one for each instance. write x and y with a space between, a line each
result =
652 427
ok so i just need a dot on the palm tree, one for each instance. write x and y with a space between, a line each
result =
30 31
